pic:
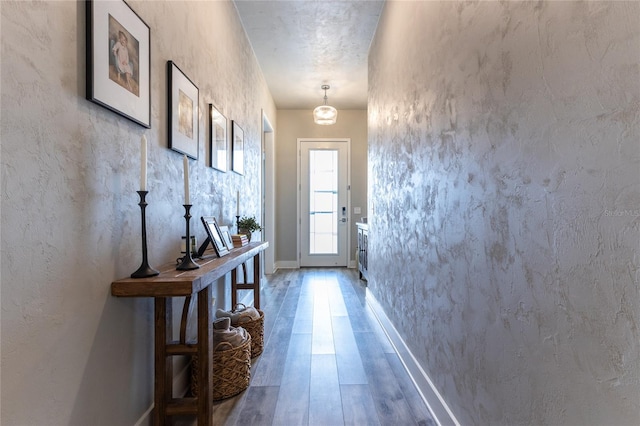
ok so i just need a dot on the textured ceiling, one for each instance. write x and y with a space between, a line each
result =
303 44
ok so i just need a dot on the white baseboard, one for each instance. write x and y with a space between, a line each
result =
288 264
181 383
145 419
292 264
275 269
437 405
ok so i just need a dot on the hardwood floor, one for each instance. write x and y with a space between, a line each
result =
326 361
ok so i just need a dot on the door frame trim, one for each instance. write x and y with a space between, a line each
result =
299 189
268 191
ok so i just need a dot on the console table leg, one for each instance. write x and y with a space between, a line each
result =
205 351
234 288
256 280
163 369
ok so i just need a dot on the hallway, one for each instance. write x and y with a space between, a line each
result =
326 360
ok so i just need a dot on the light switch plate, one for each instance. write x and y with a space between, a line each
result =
357 210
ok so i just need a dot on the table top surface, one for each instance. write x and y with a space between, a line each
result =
173 283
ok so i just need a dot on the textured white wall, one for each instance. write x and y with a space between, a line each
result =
72 353
504 183
294 124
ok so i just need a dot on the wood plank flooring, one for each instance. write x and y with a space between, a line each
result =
326 361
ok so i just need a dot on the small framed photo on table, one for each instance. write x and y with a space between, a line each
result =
119 60
183 112
227 237
215 235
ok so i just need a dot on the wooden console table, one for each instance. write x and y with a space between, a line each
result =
172 283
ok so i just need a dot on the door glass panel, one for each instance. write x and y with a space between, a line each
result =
323 201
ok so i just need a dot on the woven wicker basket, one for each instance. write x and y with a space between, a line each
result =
231 370
256 329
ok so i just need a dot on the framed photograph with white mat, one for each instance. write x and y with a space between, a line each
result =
237 145
218 143
118 60
183 112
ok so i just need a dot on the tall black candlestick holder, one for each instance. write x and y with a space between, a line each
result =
237 224
187 261
144 270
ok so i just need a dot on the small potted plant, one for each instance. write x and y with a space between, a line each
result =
248 225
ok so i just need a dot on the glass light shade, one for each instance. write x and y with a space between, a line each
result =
325 115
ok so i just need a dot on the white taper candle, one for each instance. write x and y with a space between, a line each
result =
143 163
185 161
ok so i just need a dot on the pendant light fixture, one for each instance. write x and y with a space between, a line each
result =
325 114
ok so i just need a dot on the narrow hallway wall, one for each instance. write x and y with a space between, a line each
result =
504 187
71 353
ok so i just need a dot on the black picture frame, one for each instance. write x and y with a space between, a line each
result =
215 236
237 148
183 111
118 60
218 140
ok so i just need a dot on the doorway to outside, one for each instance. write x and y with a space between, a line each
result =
323 210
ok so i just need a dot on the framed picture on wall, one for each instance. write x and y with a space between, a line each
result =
183 112
237 152
218 145
118 60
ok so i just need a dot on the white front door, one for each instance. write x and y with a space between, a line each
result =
323 199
